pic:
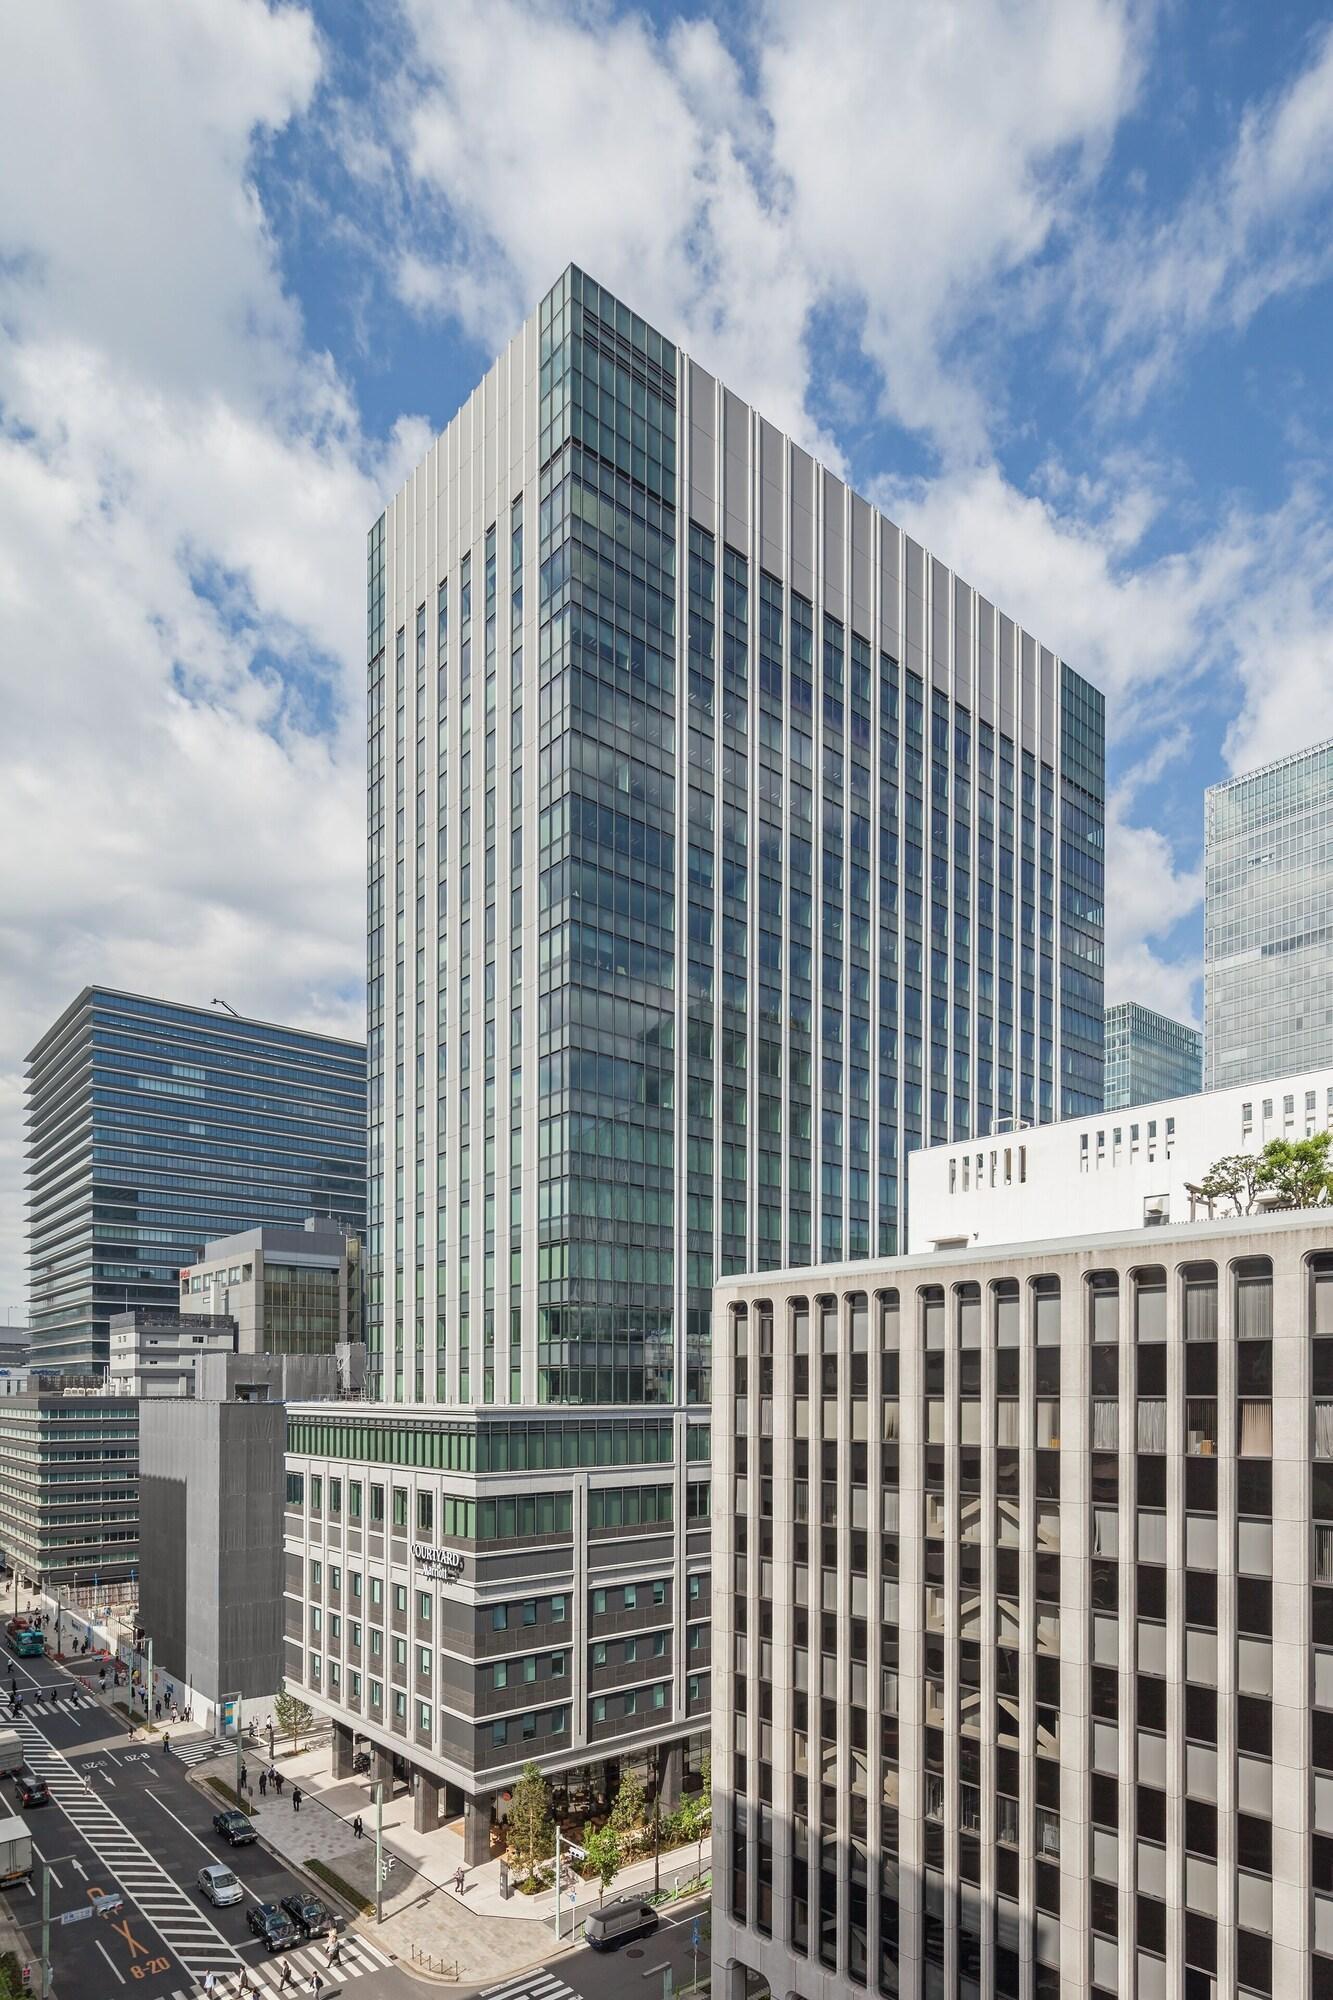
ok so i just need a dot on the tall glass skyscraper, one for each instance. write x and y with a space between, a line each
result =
723 845
1149 1056
1268 921
155 1127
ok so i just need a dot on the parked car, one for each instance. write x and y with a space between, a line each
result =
32 1790
272 1926
219 1884
311 1917
614 1923
234 1827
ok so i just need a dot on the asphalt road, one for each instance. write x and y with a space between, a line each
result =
124 1819
634 1971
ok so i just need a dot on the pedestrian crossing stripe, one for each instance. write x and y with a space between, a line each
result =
358 1958
199 1751
535 1985
62 1707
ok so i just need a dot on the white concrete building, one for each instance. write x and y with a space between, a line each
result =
290 1291
1023 1621
1115 1170
155 1352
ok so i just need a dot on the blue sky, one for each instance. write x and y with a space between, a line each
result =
1051 282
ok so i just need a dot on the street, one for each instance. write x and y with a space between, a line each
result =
634 1971
125 1819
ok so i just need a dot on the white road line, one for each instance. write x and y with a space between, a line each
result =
530 1986
150 1794
110 1961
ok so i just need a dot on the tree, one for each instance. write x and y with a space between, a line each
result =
695 1816
604 1854
627 1814
1233 1178
292 1716
530 1827
1298 1171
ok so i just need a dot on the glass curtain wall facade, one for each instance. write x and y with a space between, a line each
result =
154 1127
1149 1057
723 846
1268 921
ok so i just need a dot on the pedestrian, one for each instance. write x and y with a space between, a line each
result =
210 1983
189 1715
278 1782
458 1881
157 1709
358 1830
285 1983
245 1779
316 1983
263 1783
166 1746
296 1798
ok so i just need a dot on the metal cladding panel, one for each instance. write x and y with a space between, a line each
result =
915 567
986 660
701 400
939 619
802 521
772 485
890 572
737 482
835 501
862 610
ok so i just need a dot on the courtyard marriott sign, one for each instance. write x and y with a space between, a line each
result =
446 1564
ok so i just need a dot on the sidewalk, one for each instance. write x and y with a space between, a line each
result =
487 1935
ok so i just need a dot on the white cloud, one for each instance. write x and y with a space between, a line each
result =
184 496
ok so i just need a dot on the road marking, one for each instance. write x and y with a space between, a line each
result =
210 1852
536 1985
110 1961
183 1928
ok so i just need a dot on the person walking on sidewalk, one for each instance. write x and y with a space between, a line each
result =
263 1783
358 1828
296 1798
286 1984
458 1882
277 1783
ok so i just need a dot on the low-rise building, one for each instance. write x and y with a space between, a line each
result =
69 1498
211 1521
155 1351
1115 1170
467 1591
289 1291
1023 1620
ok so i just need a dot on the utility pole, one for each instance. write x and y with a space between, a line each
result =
46 1929
148 1698
379 1851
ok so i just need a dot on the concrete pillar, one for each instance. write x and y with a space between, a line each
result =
426 1804
477 1830
343 1741
670 1772
381 1771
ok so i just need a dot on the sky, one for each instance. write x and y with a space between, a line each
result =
1050 282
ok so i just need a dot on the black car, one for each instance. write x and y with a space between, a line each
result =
311 1917
272 1926
234 1827
32 1790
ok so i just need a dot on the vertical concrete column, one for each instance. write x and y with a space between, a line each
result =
343 1740
477 1830
670 1772
426 1804
381 1771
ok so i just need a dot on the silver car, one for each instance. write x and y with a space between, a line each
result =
219 1884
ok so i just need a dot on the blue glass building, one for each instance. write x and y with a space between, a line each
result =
153 1128
724 845
1149 1057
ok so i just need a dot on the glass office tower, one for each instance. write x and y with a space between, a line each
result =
1149 1057
154 1127
1268 921
723 845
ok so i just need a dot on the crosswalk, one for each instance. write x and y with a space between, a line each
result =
178 1919
536 1985
32 1705
200 1750
358 1957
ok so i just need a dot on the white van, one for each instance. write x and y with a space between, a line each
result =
615 1922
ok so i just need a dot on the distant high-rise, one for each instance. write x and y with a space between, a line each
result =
724 845
1268 921
1149 1056
154 1127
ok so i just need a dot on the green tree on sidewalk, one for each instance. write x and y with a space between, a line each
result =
630 1807
292 1715
604 1855
530 1827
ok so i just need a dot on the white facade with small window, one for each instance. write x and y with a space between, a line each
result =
1116 1170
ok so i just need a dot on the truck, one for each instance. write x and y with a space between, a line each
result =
15 1849
12 1757
25 1639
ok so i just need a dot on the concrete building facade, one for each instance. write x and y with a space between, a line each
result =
153 1127
1149 1057
69 1486
1117 1170
1023 1621
1268 921
289 1291
155 1352
723 845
